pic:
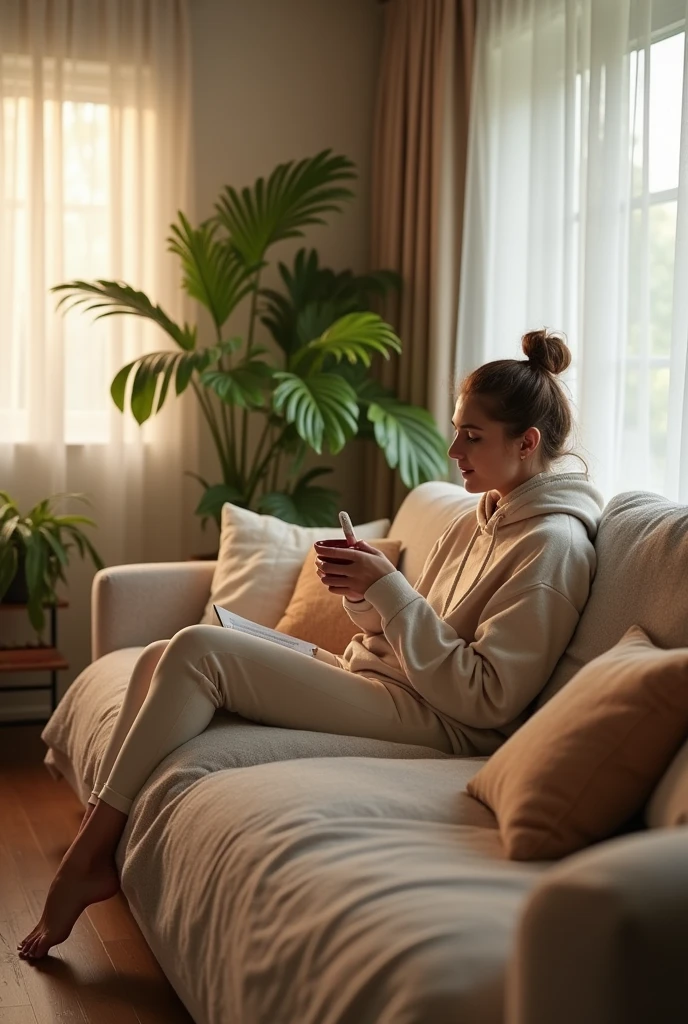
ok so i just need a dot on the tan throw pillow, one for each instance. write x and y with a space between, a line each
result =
316 615
260 559
589 759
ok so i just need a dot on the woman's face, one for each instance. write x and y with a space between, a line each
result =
489 460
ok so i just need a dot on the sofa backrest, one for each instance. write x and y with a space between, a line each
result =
422 518
641 579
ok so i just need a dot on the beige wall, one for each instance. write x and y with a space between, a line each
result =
277 80
274 80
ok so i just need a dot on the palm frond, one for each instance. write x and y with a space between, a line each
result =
115 298
146 397
213 273
295 195
355 337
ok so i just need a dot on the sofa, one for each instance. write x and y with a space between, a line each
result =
289 876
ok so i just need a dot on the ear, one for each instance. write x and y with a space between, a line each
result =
529 442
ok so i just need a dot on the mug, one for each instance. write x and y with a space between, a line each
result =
338 542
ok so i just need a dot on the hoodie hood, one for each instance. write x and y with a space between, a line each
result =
564 493
568 493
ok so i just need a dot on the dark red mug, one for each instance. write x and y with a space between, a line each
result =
337 542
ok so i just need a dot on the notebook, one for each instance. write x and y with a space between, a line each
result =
230 620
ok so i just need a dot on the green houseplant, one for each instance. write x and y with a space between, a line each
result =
34 552
318 393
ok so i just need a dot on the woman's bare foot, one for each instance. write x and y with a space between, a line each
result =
87 875
72 890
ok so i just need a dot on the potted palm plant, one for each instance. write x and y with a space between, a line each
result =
34 552
313 390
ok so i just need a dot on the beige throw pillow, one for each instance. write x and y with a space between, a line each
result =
316 615
589 759
260 559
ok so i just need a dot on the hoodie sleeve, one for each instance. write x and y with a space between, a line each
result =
364 615
488 683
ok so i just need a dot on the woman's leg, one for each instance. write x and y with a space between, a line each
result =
136 693
203 668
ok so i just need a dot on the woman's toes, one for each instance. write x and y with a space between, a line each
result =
39 947
24 944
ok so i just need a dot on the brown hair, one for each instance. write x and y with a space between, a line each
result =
523 393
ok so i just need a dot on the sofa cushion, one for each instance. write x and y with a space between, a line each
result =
384 892
642 568
260 559
668 805
316 615
350 889
585 763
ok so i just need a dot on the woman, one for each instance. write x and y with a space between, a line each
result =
453 663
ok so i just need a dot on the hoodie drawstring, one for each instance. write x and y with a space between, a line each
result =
498 517
463 562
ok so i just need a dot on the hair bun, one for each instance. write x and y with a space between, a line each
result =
546 350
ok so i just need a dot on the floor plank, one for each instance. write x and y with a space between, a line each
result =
17 1015
144 976
49 982
104 973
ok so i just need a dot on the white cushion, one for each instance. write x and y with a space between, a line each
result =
668 806
260 559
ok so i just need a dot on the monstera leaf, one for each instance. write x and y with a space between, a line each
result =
305 505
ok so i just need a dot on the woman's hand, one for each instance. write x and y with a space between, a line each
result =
367 566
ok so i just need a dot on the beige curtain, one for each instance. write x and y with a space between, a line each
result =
419 159
94 145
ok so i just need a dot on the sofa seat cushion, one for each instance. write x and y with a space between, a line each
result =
350 890
353 881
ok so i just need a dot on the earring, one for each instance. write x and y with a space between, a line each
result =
522 458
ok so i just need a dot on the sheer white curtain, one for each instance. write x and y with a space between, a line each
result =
577 218
94 147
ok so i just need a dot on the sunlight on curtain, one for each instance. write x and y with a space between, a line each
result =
94 150
578 220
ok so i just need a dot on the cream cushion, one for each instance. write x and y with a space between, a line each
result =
642 568
584 764
669 804
260 559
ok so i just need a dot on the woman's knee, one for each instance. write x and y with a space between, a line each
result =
191 639
188 647
156 649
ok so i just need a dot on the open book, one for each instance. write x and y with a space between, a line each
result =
230 620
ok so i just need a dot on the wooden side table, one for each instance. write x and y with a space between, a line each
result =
34 659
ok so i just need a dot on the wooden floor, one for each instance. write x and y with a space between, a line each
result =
104 973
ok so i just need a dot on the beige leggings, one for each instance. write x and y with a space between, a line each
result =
177 684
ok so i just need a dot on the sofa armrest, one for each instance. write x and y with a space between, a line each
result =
603 936
133 605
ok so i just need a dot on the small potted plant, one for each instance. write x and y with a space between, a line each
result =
34 552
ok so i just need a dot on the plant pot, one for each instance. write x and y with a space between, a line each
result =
18 591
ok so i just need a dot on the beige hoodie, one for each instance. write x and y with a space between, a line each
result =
479 635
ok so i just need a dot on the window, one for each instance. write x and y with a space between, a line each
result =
655 111
77 231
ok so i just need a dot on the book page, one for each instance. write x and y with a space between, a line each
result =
230 620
